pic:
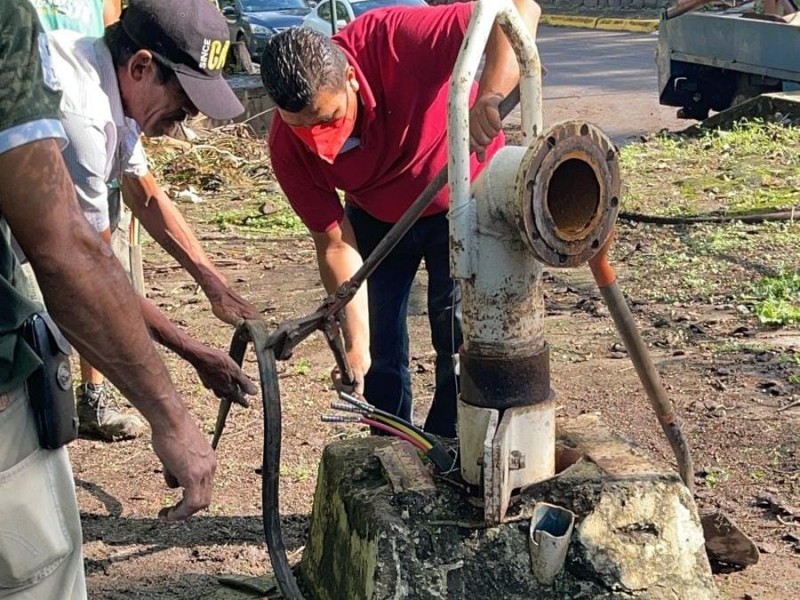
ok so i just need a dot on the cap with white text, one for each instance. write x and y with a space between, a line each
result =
191 38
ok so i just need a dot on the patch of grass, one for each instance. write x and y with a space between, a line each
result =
777 299
716 476
713 263
297 473
282 222
728 347
751 167
303 367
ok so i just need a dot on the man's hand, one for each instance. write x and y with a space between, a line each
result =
220 373
230 307
484 123
189 462
359 365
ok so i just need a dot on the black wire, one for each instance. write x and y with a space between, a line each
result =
372 408
270 482
256 331
438 454
752 217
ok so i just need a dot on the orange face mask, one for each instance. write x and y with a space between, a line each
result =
326 139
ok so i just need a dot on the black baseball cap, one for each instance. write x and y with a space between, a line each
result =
191 38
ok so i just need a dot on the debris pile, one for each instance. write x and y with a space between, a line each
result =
224 161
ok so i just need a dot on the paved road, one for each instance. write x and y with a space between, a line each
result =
607 78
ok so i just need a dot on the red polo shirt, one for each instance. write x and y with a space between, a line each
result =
403 58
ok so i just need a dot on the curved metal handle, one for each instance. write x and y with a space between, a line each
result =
484 16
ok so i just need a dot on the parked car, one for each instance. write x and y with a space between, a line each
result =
255 21
346 10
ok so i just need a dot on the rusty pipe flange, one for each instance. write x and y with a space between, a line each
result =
569 186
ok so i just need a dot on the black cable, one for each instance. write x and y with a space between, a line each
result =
256 331
270 482
438 454
752 217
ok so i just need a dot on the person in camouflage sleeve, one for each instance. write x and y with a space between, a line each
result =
83 285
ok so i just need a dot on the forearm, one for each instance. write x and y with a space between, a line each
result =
216 370
111 11
166 333
113 339
501 71
337 264
164 222
84 285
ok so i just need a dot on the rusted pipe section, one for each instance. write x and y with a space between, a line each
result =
606 280
572 183
553 203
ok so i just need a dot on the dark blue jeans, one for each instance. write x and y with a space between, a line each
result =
388 383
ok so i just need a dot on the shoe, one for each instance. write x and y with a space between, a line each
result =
100 418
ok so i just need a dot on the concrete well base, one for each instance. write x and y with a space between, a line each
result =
381 532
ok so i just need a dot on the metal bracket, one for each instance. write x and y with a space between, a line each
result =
521 452
506 452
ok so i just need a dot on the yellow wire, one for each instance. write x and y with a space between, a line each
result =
403 428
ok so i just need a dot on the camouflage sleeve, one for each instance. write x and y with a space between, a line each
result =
29 93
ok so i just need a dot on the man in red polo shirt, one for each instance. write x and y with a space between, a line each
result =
366 113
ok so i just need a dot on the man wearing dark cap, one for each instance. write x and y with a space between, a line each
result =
159 64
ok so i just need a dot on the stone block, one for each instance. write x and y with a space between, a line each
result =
637 533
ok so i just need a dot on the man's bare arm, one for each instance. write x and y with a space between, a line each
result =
165 223
89 296
111 11
338 260
216 369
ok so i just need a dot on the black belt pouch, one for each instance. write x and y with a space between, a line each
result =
50 386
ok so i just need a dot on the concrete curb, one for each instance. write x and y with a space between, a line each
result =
605 23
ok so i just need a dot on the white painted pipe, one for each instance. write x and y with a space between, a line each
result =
462 214
550 535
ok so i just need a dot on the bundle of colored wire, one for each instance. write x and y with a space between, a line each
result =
394 425
395 432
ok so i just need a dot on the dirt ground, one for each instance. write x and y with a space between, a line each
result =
730 378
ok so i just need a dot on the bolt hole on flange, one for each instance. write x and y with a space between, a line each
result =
573 198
